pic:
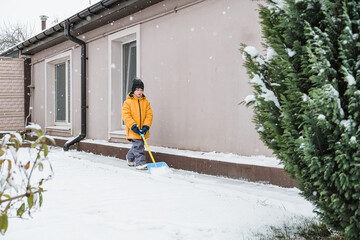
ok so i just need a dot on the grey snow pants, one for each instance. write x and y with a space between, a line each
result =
136 152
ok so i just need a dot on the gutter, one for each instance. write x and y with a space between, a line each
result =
82 16
97 15
83 85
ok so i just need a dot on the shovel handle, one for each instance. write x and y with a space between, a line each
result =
147 146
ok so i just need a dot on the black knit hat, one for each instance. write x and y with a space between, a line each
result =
137 83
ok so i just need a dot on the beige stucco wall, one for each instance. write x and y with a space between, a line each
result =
38 97
98 90
196 79
12 94
192 69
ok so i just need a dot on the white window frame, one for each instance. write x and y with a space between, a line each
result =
67 92
122 75
50 63
115 77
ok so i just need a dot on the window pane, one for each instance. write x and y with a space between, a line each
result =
129 67
60 92
132 65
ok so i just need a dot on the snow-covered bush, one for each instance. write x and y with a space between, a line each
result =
21 179
307 101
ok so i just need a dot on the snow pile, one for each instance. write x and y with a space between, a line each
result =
305 97
249 98
290 52
321 117
95 197
252 51
267 94
280 3
351 80
33 126
331 91
160 171
270 54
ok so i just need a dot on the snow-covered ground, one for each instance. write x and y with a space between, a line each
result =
96 197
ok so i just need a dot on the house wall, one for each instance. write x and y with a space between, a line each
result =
38 98
193 74
192 69
98 90
41 114
12 94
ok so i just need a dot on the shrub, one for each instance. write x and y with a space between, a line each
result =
307 100
299 228
20 190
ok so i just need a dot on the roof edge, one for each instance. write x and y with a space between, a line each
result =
81 16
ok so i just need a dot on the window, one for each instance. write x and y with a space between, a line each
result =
124 66
58 100
62 92
129 67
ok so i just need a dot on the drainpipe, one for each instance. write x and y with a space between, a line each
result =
83 86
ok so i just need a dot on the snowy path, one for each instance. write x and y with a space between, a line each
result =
96 197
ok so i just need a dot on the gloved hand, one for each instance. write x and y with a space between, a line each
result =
145 129
135 129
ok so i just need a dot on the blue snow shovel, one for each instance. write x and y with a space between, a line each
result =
154 164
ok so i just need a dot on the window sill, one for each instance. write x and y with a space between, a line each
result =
118 136
59 127
61 131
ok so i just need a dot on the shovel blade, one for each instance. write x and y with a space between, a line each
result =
156 165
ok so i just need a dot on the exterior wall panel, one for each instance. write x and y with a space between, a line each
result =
192 69
194 78
97 89
38 97
12 94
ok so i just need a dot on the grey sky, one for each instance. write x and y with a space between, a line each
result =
28 12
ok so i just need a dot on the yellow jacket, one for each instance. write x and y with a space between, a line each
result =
136 111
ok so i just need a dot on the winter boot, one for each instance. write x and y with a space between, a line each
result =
130 163
142 167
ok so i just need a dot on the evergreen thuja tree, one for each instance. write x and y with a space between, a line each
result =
307 101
